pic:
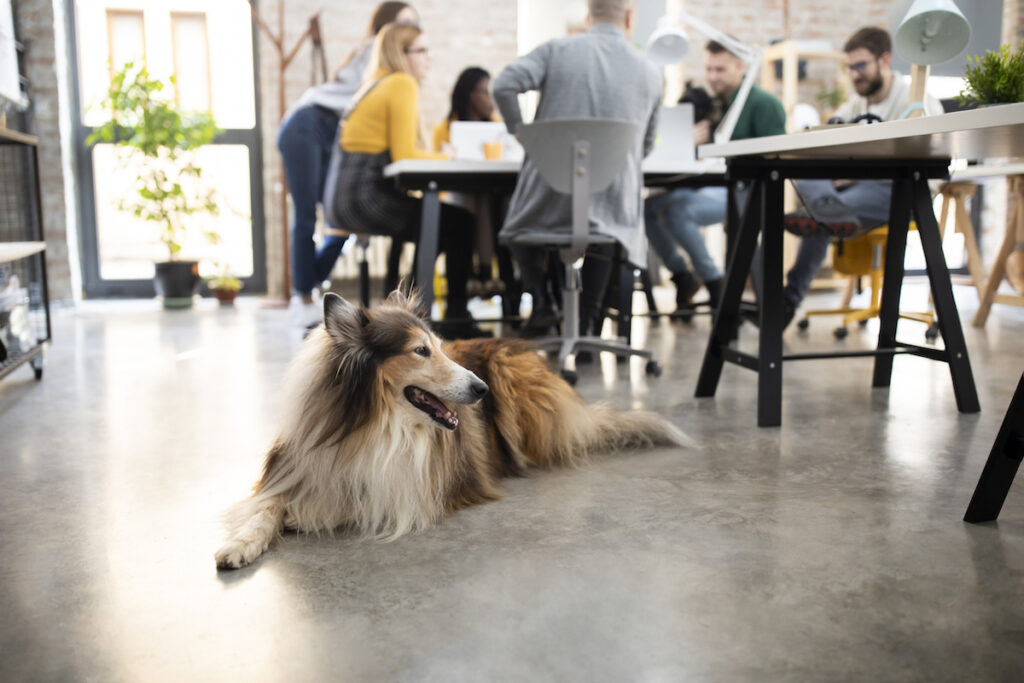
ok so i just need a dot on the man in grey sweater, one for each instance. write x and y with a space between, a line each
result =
597 74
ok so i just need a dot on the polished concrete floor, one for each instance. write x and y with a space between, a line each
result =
831 548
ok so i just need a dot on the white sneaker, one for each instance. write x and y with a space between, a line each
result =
304 315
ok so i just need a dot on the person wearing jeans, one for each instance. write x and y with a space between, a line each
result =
844 208
675 218
305 141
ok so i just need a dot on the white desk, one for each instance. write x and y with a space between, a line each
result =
435 176
908 153
976 134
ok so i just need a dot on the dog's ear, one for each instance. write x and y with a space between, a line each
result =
342 320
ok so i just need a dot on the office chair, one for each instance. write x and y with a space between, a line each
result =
577 157
856 256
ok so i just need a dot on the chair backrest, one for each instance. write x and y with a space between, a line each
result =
549 145
578 157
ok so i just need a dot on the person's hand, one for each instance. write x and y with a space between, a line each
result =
446 148
701 132
842 183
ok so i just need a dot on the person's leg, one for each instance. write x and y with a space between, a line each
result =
457 228
868 200
660 239
297 142
686 215
667 249
595 275
809 257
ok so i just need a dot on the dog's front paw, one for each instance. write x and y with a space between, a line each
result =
237 553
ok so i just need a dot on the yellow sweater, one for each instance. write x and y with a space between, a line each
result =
387 119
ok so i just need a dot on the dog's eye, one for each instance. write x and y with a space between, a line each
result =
422 351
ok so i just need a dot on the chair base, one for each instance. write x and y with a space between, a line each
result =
567 347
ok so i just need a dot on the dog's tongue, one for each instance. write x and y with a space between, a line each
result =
441 411
427 401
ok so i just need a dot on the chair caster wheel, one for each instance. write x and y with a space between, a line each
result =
653 368
932 333
570 376
840 333
804 323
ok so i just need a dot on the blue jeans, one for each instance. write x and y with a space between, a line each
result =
674 220
868 200
305 140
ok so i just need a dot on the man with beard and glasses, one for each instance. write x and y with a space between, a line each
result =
846 207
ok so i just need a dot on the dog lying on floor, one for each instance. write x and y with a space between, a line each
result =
387 431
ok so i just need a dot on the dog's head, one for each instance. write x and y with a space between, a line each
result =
391 349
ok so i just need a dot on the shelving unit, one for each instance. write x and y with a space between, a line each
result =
24 298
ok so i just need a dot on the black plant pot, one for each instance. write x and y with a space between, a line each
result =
177 282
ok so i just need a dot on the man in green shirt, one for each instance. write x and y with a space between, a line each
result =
673 219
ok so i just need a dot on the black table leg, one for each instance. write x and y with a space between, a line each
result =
426 248
727 315
892 279
1002 463
769 372
945 305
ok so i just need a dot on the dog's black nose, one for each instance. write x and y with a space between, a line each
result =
478 388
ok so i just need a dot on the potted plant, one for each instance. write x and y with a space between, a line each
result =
995 78
146 125
225 288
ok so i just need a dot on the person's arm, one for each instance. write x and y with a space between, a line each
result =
403 119
769 119
523 75
652 128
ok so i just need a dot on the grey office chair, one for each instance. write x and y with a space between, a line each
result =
578 157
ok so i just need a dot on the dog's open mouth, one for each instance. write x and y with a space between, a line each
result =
432 406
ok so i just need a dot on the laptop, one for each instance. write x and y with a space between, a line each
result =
673 144
468 138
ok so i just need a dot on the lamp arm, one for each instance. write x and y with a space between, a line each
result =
744 52
724 131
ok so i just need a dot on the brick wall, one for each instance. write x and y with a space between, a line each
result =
35 29
1013 21
460 33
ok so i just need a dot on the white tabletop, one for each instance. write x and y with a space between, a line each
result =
976 134
443 166
988 171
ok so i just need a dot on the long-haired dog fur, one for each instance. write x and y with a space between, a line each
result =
387 431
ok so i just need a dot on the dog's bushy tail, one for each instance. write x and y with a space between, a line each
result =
615 429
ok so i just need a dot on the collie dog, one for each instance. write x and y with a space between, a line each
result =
386 430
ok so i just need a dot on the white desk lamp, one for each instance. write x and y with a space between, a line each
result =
932 32
669 44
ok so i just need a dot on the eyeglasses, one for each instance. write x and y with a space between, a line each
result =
417 51
859 67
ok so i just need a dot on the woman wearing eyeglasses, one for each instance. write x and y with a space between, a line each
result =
383 127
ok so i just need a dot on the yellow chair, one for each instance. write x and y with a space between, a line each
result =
857 257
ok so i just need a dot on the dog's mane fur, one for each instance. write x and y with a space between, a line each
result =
354 454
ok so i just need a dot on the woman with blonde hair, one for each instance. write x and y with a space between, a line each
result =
383 126
306 139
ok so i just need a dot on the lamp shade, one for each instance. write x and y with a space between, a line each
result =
932 32
667 45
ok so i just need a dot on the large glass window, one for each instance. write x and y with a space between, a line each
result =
199 44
